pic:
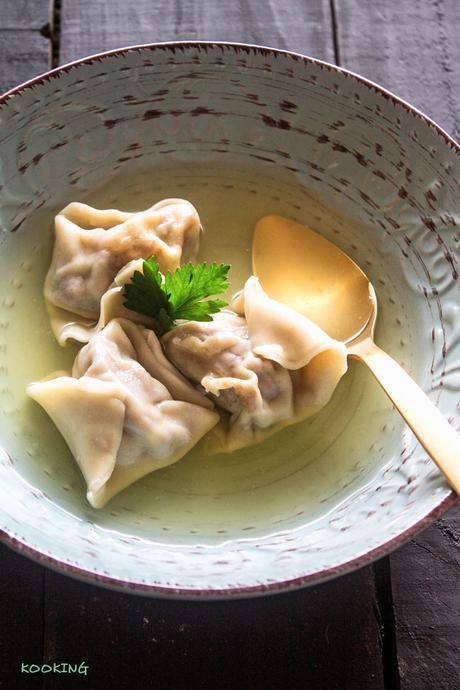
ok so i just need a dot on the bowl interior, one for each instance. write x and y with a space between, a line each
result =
240 133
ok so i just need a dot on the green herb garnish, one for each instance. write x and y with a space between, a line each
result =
178 296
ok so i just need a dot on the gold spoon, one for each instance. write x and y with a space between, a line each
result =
304 270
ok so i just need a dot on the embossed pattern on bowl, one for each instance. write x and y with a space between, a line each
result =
368 156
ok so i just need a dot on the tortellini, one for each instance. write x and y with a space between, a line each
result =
92 246
125 411
263 363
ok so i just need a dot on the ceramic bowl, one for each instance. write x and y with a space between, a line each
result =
242 131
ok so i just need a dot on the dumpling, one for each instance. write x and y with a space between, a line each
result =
125 411
68 326
92 246
263 363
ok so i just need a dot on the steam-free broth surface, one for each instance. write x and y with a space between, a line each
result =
294 476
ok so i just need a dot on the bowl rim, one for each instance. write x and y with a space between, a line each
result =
241 592
153 590
254 47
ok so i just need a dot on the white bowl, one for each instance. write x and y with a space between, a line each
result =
241 131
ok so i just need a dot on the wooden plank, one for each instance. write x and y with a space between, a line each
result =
24 14
24 51
26 54
426 595
412 49
21 613
89 27
409 47
322 637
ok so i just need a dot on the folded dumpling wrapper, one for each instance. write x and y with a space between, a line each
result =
68 326
125 411
92 250
265 364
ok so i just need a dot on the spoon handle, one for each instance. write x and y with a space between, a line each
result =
434 432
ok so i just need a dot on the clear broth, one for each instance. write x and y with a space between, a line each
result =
294 477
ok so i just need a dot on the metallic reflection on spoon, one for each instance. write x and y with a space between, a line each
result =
304 270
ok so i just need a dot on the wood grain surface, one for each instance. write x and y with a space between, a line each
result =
426 578
24 51
409 47
276 643
392 625
21 611
88 27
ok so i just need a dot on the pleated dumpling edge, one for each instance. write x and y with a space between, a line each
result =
265 365
93 248
125 411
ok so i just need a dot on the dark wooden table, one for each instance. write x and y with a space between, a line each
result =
395 624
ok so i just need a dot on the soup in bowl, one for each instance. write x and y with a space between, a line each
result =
240 132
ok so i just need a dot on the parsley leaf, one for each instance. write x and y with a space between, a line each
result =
179 295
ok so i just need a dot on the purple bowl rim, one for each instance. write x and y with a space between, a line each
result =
94 578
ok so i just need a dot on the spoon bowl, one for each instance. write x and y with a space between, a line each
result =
324 283
304 270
